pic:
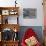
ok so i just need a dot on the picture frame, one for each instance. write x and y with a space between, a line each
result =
29 13
5 12
12 12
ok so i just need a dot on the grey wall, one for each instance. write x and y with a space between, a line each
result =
37 29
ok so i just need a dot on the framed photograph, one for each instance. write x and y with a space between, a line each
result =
12 12
5 12
29 13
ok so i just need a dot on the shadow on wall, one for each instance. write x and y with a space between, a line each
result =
37 29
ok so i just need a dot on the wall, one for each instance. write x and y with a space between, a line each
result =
38 21
7 3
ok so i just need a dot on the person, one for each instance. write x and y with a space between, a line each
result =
30 38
